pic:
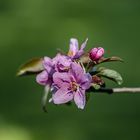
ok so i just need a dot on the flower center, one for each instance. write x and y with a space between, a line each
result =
70 53
74 86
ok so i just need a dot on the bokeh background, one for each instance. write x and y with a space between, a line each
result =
32 28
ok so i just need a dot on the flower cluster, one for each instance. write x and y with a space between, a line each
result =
72 76
66 77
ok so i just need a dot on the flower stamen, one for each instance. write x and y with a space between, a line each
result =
74 86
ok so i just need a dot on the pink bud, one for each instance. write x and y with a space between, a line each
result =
96 53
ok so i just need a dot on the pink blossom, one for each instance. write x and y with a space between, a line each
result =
74 51
71 85
60 63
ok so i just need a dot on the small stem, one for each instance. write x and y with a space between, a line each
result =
126 89
87 66
83 67
116 90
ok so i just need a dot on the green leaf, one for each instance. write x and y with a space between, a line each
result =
45 97
110 74
96 86
31 67
110 59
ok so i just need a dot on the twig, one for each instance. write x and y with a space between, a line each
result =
116 90
126 90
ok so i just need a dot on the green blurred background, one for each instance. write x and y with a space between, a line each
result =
31 28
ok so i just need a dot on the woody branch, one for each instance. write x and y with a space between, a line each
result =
116 90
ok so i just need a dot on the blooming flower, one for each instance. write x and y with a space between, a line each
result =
45 77
74 51
60 63
71 85
96 53
67 77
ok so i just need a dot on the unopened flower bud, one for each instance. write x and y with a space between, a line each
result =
96 53
97 80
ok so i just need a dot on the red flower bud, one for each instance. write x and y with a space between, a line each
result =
96 53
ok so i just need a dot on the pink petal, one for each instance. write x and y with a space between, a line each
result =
81 51
62 63
77 71
84 44
62 96
73 47
100 52
80 99
47 63
42 78
86 81
61 79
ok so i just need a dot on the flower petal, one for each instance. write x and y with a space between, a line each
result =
80 99
61 79
86 81
73 47
42 78
55 59
48 64
62 96
77 71
81 51
100 52
62 63
84 44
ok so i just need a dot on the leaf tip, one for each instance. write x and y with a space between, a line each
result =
20 73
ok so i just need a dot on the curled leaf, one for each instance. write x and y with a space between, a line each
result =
110 74
110 59
32 66
45 97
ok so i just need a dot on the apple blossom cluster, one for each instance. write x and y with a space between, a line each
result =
72 76
66 77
